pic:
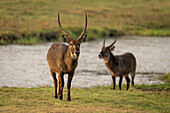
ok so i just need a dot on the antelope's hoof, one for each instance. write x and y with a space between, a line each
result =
68 99
55 96
60 97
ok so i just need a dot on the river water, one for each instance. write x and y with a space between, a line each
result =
26 66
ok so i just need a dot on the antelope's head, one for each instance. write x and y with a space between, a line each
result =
106 51
74 45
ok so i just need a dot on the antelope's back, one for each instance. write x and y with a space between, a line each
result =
55 55
130 59
127 61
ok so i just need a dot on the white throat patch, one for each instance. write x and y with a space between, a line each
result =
73 55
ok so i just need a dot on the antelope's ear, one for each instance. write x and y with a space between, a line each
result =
83 39
65 39
112 48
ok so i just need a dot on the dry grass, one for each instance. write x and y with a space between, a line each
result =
139 17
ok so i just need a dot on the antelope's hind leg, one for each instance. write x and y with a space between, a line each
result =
55 82
127 81
132 77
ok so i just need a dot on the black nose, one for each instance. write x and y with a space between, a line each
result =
100 56
77 53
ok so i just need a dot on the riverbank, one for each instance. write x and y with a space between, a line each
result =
31 22
26 65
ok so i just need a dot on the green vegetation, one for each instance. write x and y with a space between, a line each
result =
154 87
166 77
99 99
27 22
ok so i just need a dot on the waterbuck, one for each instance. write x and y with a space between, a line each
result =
63 59
119 65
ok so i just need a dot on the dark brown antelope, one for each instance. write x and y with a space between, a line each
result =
63 59
119 65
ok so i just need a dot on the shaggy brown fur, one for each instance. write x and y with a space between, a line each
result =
119 65
63 59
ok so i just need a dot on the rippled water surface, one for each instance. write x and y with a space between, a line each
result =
26 66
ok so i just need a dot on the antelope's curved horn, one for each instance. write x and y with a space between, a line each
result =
63 29
80 37
113 43
104 42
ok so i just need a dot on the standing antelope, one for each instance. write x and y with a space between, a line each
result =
119 65
63 59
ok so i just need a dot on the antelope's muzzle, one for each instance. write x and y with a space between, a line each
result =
77 53
100 56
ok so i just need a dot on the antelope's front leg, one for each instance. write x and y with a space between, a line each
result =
114 82
61 85
120 82
70 76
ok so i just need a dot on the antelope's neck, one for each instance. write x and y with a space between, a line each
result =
112 60
70 60
111 64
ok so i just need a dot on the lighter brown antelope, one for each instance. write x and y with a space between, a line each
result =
119 65
63 59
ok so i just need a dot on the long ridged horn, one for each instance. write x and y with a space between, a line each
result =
63 29
113 43
80 37
104 42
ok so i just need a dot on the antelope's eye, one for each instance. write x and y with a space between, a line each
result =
104 51
71 44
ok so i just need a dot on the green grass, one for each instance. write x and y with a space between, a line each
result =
161 87
166 77
99 99
154 87
105 18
